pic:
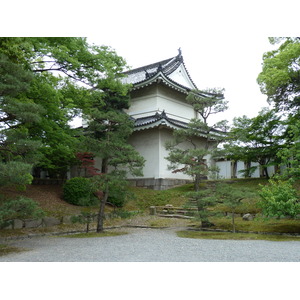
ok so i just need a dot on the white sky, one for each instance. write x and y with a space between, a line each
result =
222 42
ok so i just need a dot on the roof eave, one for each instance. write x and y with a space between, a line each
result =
161 77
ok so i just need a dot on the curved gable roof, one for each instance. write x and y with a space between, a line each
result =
172 71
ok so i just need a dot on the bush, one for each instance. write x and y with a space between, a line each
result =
85 217
79 191
279 199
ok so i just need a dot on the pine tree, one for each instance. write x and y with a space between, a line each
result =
192 147
106 137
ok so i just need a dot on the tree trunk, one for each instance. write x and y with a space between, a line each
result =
197 182
103 200
267 173
104 167
233 224
101 210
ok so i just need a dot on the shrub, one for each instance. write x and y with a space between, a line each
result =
279 199
79 191
85 217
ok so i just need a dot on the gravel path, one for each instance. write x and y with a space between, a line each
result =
151 245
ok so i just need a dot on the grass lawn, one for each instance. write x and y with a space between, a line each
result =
136 209
259 224
234 236
6 249
94 234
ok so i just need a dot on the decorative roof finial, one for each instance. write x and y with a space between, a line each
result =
159 69
179 51
163 114
147 75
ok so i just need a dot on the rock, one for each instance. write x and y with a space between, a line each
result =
247 217
50 221
33 223
18 224
152 210
67 220
8 227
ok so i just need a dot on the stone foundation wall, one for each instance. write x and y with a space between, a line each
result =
158 183
38 223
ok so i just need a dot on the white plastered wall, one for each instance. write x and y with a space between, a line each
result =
146 142
158 98
224 169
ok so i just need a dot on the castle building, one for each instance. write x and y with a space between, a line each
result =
158 107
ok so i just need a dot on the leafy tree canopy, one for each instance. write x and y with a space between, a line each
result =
44 83
256 139
279 79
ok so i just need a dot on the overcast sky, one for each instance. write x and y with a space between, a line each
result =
222 42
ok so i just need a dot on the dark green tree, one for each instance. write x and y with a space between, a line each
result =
232 198
192 147
279 78
108 129
22 208
289 154
256 140
58 80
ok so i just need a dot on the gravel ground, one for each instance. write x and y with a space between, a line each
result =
151 245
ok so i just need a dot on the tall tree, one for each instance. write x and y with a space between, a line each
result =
63 74
289 155
106 137
256 140
16 148
279 78
192 147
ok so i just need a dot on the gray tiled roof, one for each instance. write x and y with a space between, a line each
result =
157 117
167 67
162 119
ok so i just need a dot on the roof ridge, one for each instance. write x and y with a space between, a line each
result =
150 66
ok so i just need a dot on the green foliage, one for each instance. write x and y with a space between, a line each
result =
230 236
208 102
35 100
79 191
255 140
290 154
13 78
107 138
279 78
192 146
123 214
14 173
85 217
204 199
21 208
94 234
232 197
117 196
279 199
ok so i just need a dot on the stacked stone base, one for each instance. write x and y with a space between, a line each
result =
158 183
